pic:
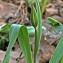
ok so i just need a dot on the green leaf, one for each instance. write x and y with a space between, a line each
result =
39 19
58 54
13 34
38 30
5 28
58 29
31 2
56 25
23 39
31 30
53 22
61 60
34 17
43 5
16 30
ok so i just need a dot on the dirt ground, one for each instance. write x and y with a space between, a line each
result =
11 11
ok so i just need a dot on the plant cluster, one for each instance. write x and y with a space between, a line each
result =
22 33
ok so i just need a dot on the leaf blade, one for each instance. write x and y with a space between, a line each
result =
13 34
38 30
58 52
23 39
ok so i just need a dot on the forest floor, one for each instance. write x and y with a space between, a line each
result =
11 11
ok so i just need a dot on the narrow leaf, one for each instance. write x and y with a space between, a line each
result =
43 5
56 25
53 22
13 34
38 30
31 30
5 28
34 17
23 39
58 54
61 60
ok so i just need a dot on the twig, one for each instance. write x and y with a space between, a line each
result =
18 8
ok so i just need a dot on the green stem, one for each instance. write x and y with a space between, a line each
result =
35 45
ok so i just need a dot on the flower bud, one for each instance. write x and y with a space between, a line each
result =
34 18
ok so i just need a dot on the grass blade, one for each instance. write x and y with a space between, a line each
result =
38 30
5 28
34 17
23 39
31 30
53 22
43 5
13 34
39 19
58 52
56 25
59 49
61 60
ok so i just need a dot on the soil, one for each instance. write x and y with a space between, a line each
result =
11 12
